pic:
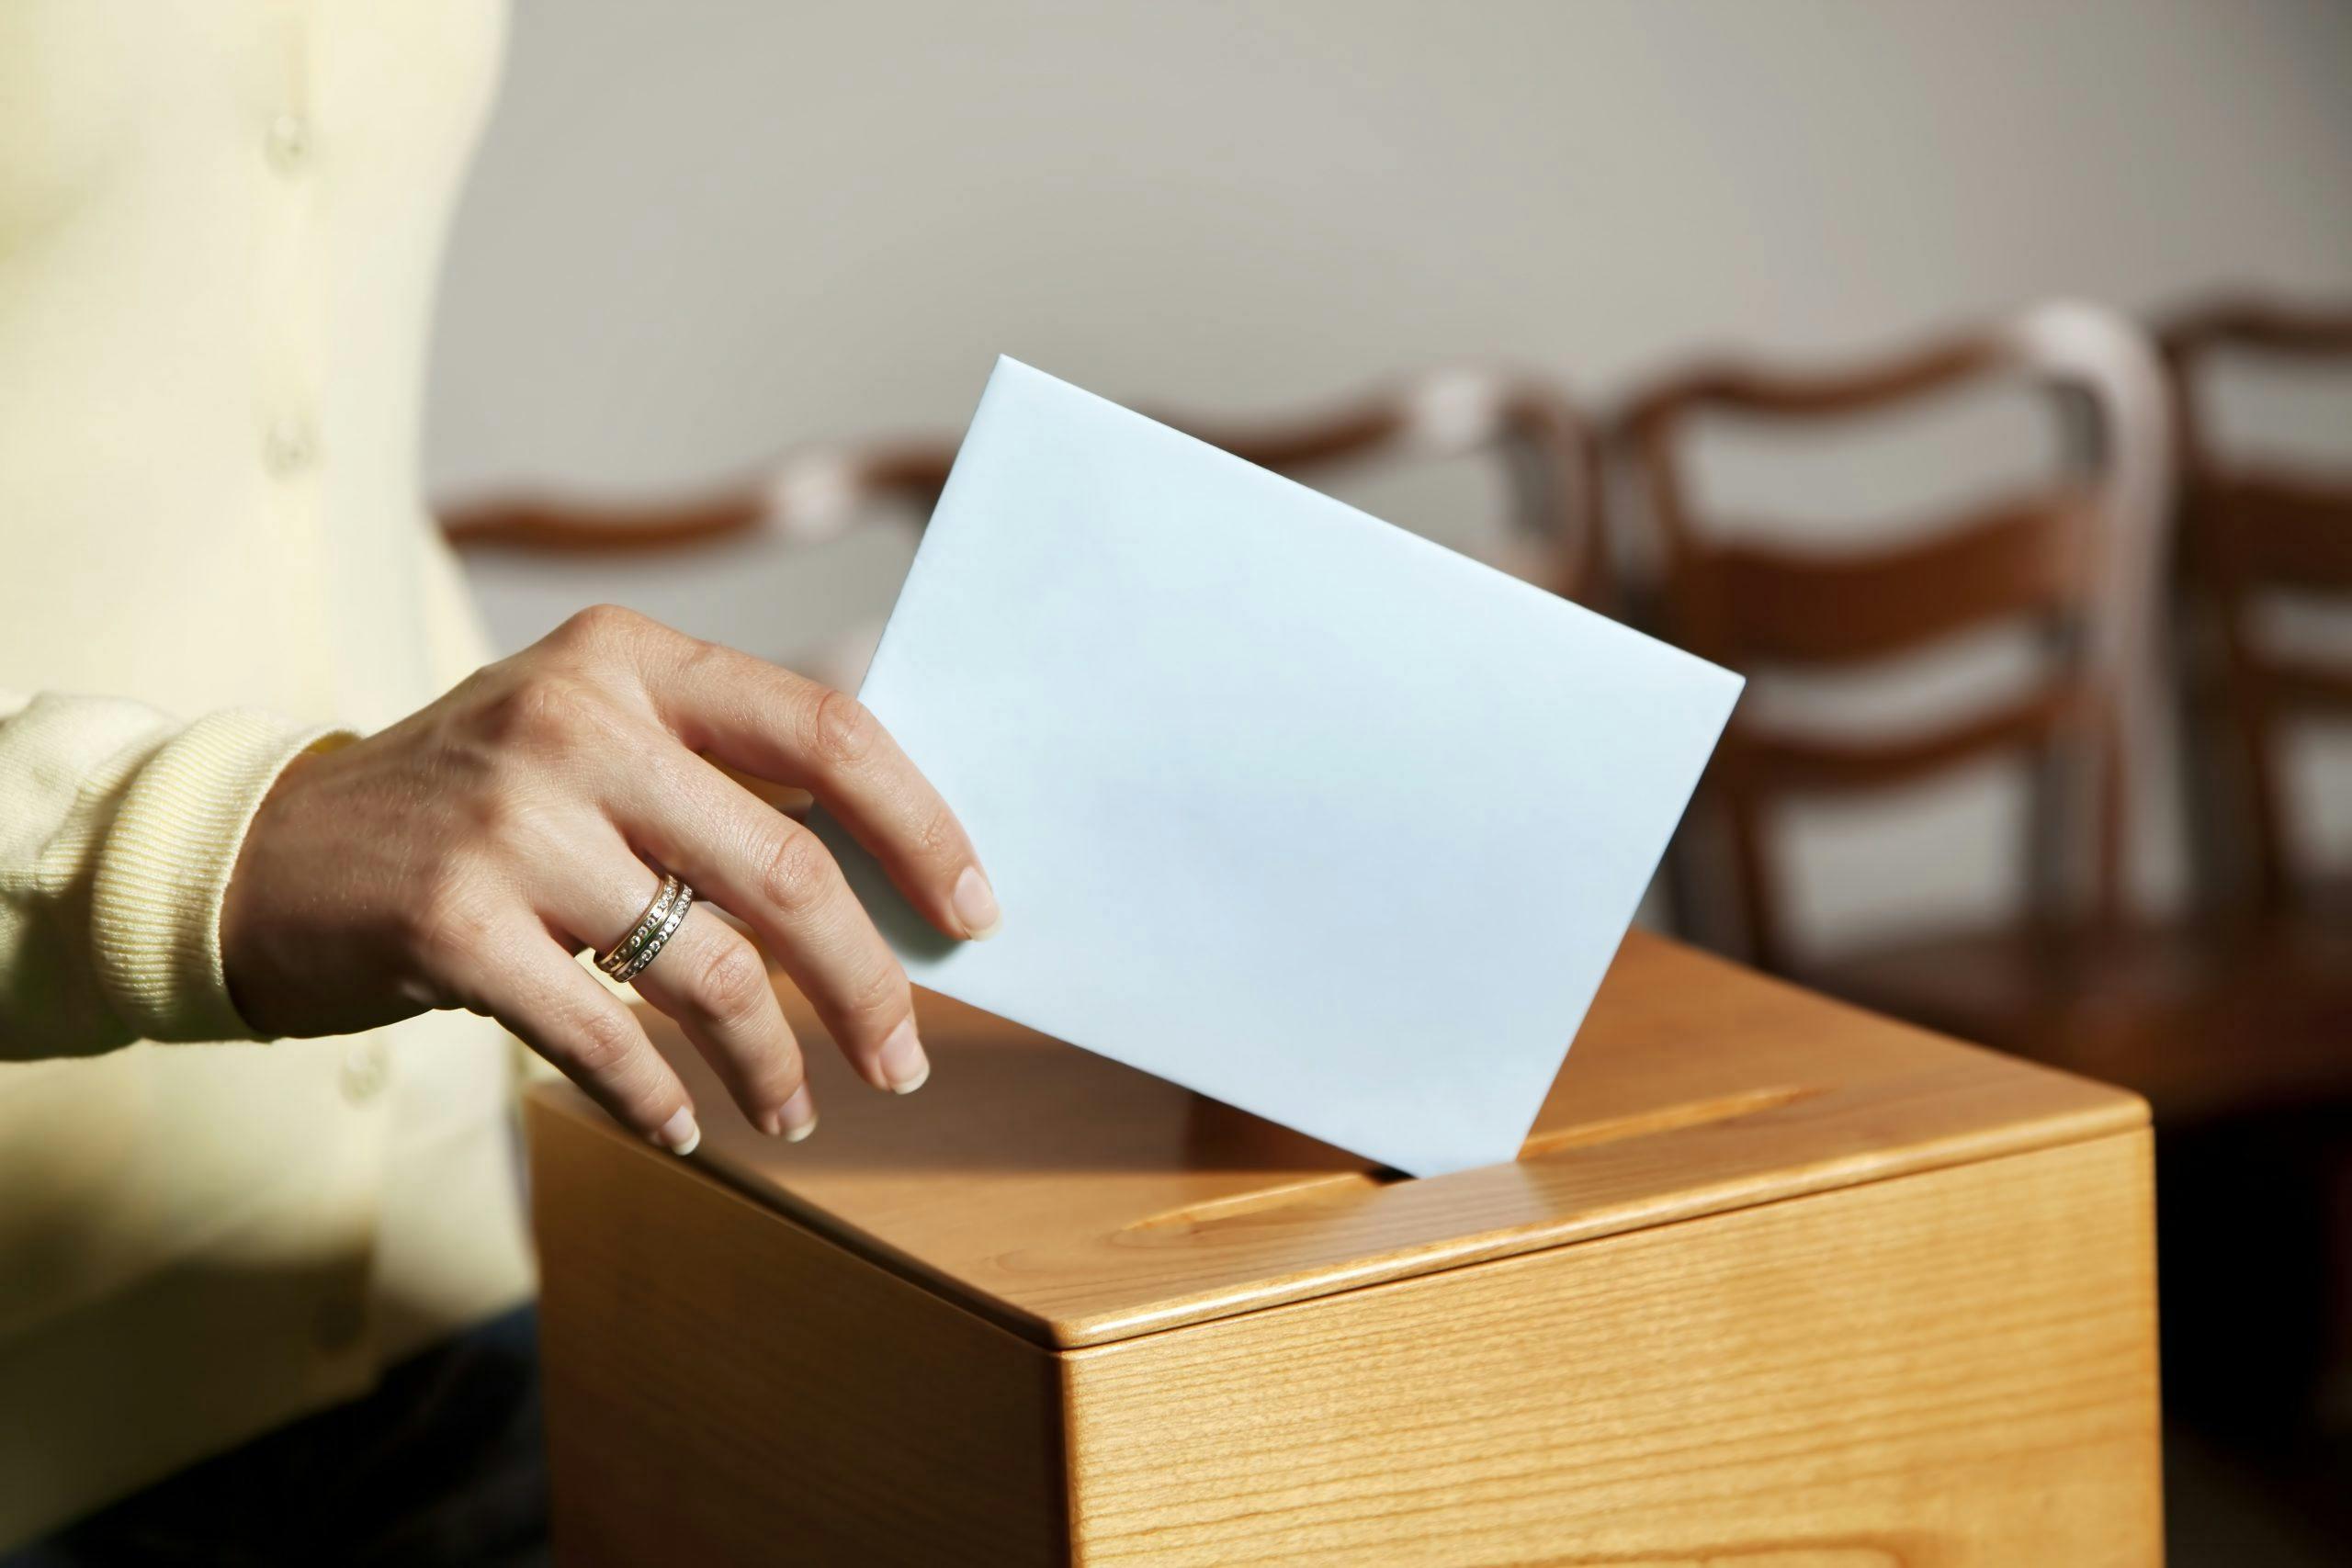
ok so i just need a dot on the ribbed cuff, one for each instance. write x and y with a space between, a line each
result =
164 871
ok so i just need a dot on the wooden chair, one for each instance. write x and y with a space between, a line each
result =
2257 1217
2075 978
1546 450
2252 530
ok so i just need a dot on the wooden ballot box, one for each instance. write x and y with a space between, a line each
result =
1775 1283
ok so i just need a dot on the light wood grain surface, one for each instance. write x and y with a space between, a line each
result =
1076 1202
1956 1367
722 1387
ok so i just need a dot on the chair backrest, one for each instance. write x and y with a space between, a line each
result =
1547 451
795 564
2253 529
2076 558
813 494
819 495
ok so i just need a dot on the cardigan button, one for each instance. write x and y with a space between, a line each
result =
288 449
366 1071
287 144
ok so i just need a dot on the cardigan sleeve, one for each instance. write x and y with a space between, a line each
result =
119 829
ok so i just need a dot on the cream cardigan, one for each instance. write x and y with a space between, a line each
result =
220 222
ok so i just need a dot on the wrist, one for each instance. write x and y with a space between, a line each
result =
164 869
248 947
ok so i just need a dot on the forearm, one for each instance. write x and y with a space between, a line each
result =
119 829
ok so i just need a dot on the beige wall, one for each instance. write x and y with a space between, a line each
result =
700 232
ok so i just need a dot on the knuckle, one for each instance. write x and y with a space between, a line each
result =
697 656
940 833
598 1046
731 984
879 998
599 627
544 711
795 872
841 731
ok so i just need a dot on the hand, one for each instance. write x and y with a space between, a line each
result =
462 857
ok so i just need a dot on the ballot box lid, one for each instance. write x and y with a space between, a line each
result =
1076 1202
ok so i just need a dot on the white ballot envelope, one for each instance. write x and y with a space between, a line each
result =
1281 803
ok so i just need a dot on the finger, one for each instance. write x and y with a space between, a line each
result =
558 1009
790 799
780 880
706 977
751 714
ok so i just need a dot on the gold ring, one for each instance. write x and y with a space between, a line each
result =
626 958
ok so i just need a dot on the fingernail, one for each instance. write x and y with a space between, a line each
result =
904 1066
681 1132
975 903
798 1116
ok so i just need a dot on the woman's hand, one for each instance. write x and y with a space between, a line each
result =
460 859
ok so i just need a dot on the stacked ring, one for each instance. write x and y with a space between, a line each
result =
626 958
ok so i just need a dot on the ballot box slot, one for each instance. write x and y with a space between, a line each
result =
1335 1188
1665 1118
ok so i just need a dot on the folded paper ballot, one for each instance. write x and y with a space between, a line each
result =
1281 803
